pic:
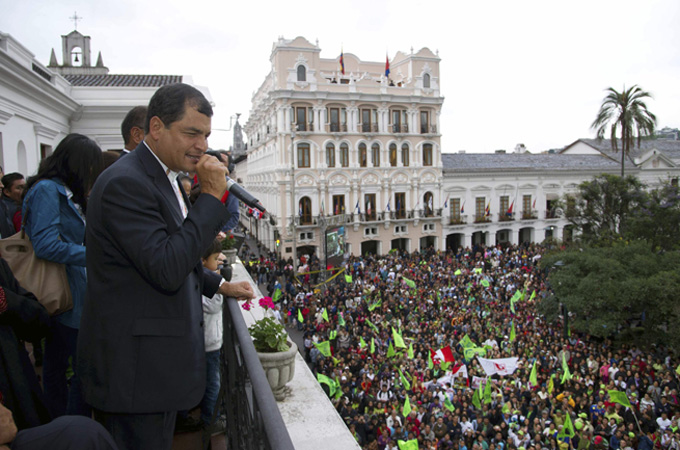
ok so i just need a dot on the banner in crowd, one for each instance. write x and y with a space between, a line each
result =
501 366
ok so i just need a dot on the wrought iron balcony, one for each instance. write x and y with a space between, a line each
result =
506 217
530 214
397 128
427 212
483 218
336 127
253 418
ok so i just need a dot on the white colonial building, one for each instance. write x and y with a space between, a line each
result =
39 105
362 150
358 149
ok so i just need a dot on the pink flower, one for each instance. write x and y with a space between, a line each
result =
247 305
267 303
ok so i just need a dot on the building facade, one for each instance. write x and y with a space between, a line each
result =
39 104
357 149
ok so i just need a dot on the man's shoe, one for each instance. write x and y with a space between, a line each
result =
187 425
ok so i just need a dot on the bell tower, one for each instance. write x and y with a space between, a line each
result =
76 55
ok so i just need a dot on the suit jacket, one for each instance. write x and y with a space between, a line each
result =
141 345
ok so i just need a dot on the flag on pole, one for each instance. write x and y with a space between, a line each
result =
509 212
341 320
512 332
466 342
620 397
565 367
398 339
409 283
430 364
448 405
372 325
533 376
322 208
404 381
277 295
324 347
372 345
410 353
487 211
323 379
362 343
534 204
390 351
325 315
487 392
348 278
476 399
342 61
357 208
300 209
444 354
300 318
567 428
387 66
462 207
446 202
387 208
551 384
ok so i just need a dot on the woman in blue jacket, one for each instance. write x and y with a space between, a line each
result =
54 211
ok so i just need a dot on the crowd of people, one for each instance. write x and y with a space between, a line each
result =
434 300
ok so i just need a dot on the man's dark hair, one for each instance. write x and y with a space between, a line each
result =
9 179
136 117
169 102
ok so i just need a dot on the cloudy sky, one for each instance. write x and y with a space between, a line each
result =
511 71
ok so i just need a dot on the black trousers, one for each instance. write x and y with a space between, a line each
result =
139 431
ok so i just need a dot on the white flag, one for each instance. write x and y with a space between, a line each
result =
502 366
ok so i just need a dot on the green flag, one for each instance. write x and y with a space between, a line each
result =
457 272
398 340
430 364
362 343
341 320
372 345
487 392
466 342
533 377
533 295
409 283
375 305
485 283
410 351
332 334
512 332
476 401
325 315
408 445
445 365
324 347
348 278
277 295
567 375
404 381
373 327
620 397
407 407
323 379
567 428
448 405
300 318
551 384
390 351
506 408
478 270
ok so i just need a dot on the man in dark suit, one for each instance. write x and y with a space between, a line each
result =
141 340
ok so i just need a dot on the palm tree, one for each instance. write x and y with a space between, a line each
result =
625 111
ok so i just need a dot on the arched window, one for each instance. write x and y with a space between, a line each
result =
405 155
344 155
375 155
427 154
426 81
303 154
330 155
363 159
428 204
393 155
301 73
305 211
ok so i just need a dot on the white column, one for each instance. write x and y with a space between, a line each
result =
468 241
539 235
514 237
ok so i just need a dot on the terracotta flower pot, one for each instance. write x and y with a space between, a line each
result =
279 368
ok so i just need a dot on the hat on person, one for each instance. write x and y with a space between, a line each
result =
597 440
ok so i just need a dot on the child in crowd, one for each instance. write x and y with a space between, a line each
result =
212 319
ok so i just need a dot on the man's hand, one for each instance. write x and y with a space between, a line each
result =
8 429
212 176
240 291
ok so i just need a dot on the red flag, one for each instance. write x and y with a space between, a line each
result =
442 355
509 213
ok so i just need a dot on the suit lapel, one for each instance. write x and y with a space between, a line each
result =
155 171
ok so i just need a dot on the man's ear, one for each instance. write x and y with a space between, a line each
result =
156 126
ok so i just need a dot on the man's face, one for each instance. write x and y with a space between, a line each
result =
16 190
181 144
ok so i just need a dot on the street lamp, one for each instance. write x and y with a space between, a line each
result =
292 195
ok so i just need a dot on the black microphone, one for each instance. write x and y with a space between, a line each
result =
246 197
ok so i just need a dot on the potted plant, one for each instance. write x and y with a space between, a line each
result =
228 248
275 350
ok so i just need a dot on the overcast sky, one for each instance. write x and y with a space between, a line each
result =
511 71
